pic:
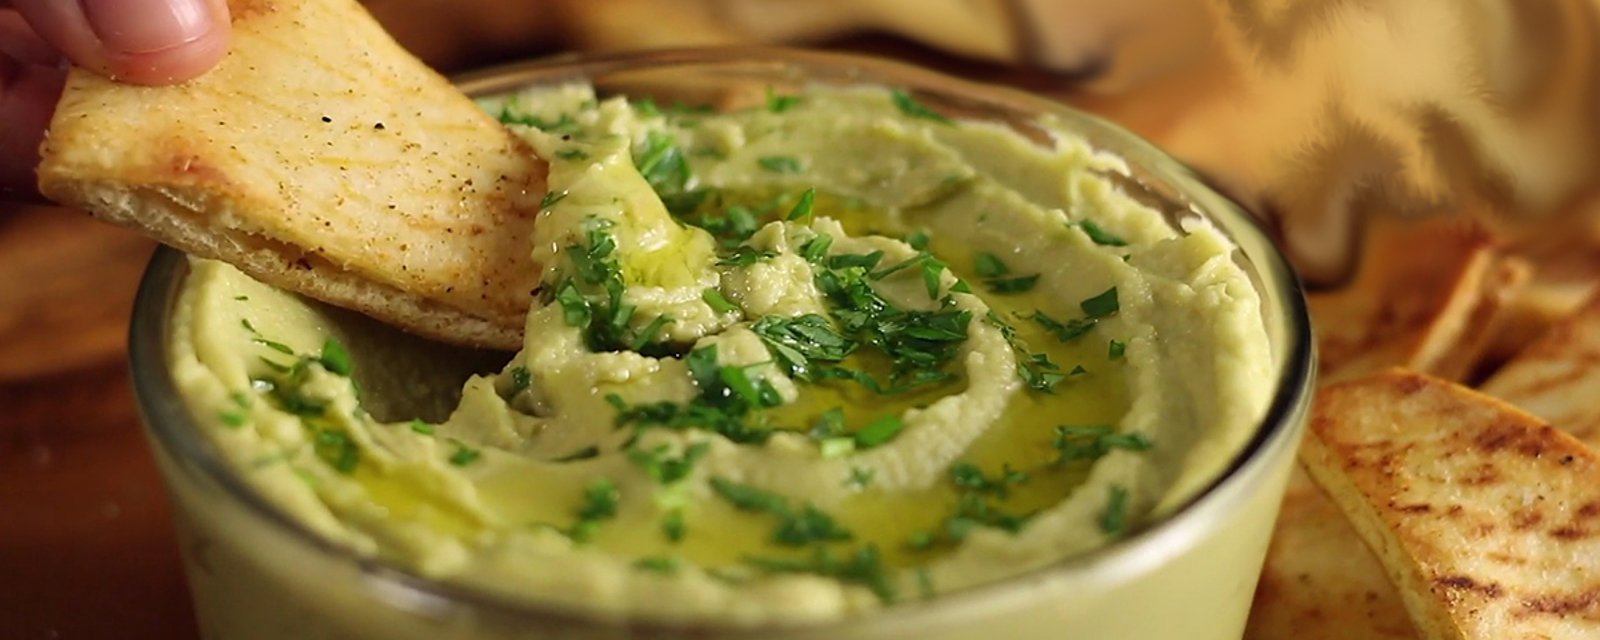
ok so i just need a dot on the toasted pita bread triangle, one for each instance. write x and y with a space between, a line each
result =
320 157
1426 297
1320 581
1487 519
1557 377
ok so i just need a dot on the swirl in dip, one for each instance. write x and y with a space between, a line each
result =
795 361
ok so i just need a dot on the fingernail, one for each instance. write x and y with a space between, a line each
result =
146 26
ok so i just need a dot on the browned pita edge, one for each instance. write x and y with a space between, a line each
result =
1320 581
1486 519
1427 296
320 157
1557 377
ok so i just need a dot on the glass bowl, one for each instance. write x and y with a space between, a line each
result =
257 573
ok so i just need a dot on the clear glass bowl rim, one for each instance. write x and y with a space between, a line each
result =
169 425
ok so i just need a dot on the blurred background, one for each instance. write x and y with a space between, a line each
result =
1321 116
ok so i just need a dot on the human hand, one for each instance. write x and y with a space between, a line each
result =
135 41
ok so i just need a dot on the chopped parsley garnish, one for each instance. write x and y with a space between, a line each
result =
744 256
727 397
672 525
798 341
815 249
521 379
551 198
1116 349
1101 306
591 298
997 276
863 566
337 449
585 453
911 107
918 240
274 345
599 504
1115 518
968 476
562 124
797 526
237 415
662 164
421 427
860 478
1094 308
718 302
571 154
665 468
1099 235
780 103
659 564
918 343
802 208
879 431
779 164
464 455
335 358
245 322
1091 442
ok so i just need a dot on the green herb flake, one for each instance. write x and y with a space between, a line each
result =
575 310
337 449
241 298
1100 306
521 379
570 155
779 164
1019 284
464 455
860 478
988 265
550 199
918 239
1115 517
600 499
1099 235
879 431
421 427
718 302
665 468
659 564
1091 442
802 208
335 358
780 103
650 332
672 525
815 249
912 107
275 346
1116 349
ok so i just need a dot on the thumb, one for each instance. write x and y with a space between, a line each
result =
137 41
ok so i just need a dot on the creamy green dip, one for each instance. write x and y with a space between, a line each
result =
796 361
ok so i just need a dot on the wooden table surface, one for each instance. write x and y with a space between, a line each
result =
86 540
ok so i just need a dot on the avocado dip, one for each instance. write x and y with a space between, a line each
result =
795 361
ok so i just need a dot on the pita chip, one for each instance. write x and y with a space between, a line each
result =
322 158
1558 376
1485 518
1427 296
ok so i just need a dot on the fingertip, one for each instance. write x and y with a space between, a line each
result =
173 65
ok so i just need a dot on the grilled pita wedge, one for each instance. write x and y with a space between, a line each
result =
1486 518
322 158
1558 376
1427 296
1320 582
